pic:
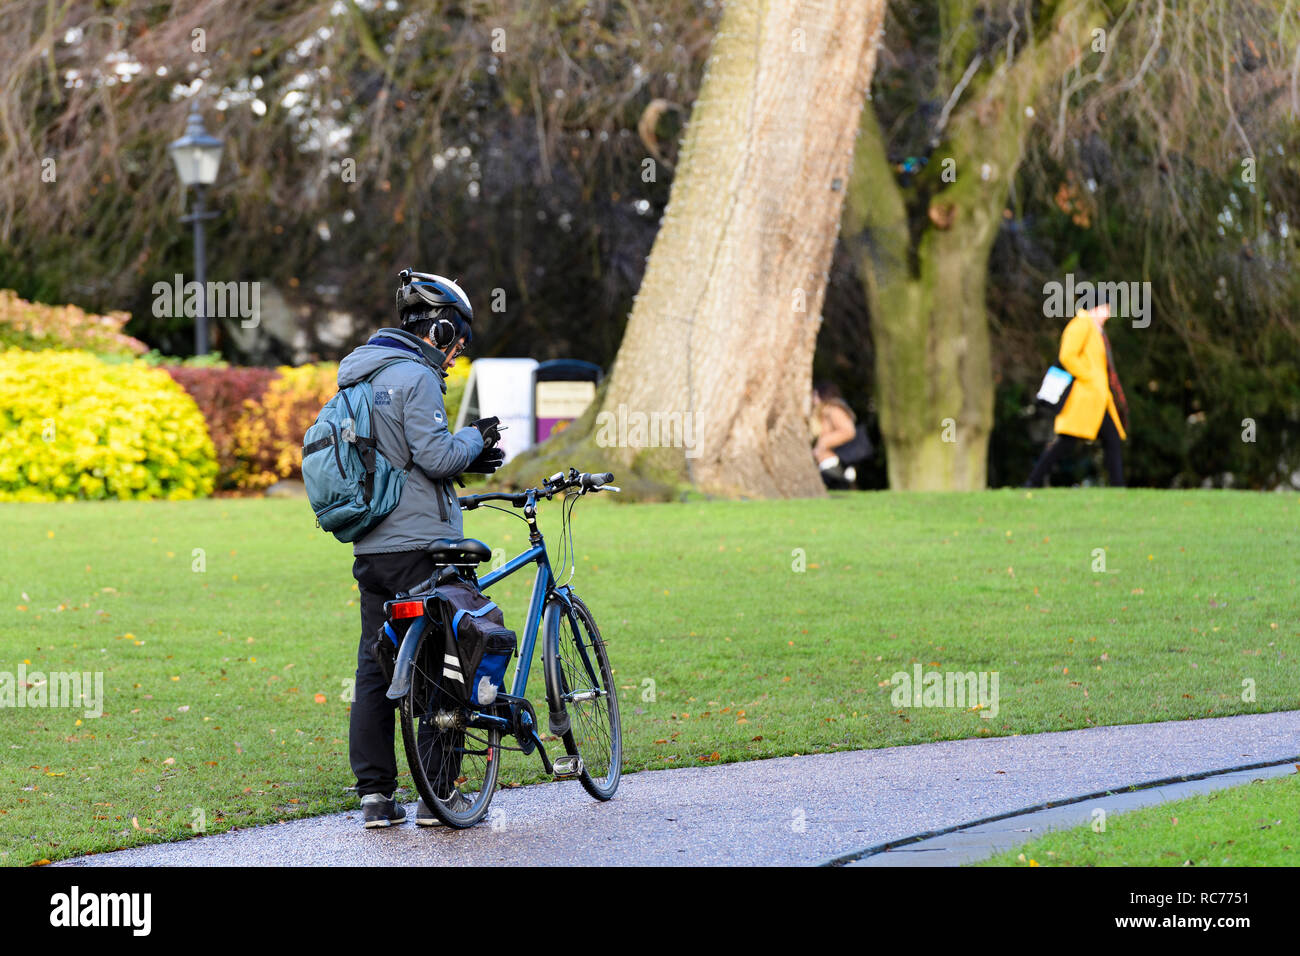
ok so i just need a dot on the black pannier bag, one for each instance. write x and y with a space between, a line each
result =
478 639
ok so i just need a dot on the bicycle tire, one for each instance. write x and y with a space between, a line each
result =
595 731
432 705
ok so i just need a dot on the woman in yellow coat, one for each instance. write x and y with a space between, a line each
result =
1090 410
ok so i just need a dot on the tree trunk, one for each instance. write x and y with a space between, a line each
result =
923 255
933 366
926 298
712 382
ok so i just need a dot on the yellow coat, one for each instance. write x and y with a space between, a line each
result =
1083 355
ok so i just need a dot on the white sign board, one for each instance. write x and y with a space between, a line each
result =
564 399
501 387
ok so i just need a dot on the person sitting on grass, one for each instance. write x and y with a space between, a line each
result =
839 444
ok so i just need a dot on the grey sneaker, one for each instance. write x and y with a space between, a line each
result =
424 817
378 810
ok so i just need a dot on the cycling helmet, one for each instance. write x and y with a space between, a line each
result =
421 292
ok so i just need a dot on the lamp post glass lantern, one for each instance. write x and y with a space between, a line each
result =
197 156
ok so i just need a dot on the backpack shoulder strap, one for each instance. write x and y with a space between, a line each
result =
366 446
368 455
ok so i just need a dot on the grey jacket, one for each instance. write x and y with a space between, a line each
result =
410 426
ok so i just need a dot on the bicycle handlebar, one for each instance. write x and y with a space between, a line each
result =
558 481
470 502
553 485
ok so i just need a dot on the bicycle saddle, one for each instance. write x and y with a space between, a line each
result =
460 551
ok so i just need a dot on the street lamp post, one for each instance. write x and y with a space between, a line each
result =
197 156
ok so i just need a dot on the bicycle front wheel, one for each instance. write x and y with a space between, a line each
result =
454 761
579 678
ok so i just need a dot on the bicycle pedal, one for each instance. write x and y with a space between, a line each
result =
567 766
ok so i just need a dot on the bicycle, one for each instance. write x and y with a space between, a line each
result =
453 747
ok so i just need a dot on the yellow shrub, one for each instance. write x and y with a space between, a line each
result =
268 436
457 376
73 426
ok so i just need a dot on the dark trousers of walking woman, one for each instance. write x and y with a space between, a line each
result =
1111 446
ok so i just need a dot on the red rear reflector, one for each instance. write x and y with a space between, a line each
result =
408 609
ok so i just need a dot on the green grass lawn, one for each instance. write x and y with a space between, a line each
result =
226 689
1256 824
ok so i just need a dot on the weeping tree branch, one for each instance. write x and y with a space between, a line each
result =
365 38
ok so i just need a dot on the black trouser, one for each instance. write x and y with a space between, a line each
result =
1111 448
370 733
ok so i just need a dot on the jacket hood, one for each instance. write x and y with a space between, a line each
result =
385 346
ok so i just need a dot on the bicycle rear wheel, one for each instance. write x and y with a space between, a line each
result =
453 761
578 674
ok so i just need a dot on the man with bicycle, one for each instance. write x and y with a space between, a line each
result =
409 424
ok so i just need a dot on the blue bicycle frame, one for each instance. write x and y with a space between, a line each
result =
543 586
544 589
549 605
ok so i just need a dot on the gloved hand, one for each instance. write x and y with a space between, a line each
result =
488 461
488 429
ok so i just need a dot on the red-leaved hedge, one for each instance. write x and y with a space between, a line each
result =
220 394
